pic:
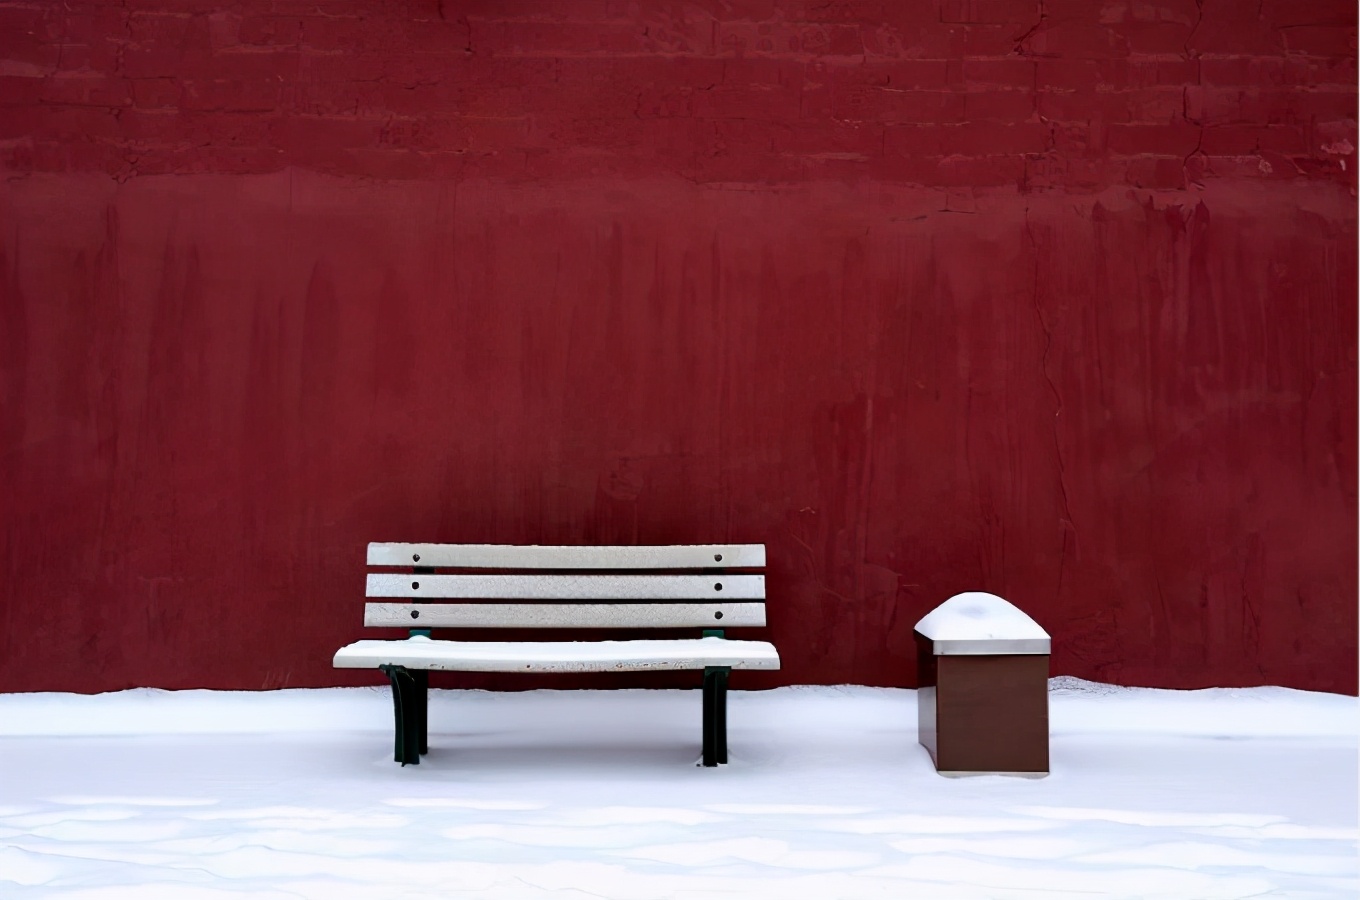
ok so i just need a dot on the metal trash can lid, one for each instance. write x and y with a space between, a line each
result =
981 624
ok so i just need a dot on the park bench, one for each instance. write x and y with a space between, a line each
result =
458 586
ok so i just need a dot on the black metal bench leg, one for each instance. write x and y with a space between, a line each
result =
422 704
715 715
405 710
710 755
720 716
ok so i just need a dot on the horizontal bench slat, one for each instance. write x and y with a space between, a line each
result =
506 556
575 615
558 656
568 587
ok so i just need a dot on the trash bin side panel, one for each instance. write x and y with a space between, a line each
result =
992 713
925 696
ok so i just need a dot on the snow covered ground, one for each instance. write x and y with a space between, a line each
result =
588 794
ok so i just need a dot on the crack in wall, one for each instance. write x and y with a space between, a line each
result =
1199 18
1067 521
1198 151
1020 41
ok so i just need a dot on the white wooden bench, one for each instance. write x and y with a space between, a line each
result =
530 587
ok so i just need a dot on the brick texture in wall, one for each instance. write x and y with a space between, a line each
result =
1072 94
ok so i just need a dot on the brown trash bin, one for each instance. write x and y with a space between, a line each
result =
983 688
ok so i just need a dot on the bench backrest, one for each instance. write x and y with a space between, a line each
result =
566 587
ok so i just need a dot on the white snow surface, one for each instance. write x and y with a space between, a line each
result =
1222 793
979 616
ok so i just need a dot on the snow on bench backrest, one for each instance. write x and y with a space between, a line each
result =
509 556
718 598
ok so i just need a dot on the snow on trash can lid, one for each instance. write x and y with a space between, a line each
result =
981 624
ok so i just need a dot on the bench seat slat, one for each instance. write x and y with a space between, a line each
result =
506 556
568 587
558 656
572 615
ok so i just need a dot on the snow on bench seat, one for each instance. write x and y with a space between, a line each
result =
559 656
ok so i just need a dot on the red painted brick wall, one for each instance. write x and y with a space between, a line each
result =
1068 93
1055 299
